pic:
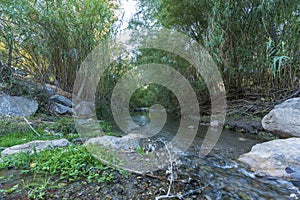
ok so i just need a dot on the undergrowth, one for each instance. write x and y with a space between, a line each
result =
70 163
16 138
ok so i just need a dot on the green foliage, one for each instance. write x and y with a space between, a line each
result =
106 85
9 125
37 189
277 62
148 95
10 190
227 127
16 138
20 160
105 154
64 125
71 163
51 38
153 94
16 131
235 33
140 150
105 126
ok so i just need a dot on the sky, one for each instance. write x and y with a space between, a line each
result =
128 8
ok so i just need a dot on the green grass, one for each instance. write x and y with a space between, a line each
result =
15 131
16 138
9 125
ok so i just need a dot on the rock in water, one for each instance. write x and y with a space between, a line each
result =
271 158
17 106
284 119
36 145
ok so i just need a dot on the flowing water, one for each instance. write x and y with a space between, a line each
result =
220 171
216 176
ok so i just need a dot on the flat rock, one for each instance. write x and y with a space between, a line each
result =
36 145
284 119
271 158
127 142
61 100
60 109
17 106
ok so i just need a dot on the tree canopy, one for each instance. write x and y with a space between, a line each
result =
52 37
255 43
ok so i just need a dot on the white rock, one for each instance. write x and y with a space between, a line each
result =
271 158
284 119
36 145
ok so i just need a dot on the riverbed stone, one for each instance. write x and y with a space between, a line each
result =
271 158
128 142
284 119
17 106
33 146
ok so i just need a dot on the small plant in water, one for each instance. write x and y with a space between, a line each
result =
10 190
37 189
140 150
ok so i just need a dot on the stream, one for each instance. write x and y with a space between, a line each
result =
216 176
220 170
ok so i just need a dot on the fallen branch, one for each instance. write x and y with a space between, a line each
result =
157 177
181 196
31 127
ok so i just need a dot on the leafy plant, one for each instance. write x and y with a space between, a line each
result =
71 163
37 189
21 160
11 189
277 61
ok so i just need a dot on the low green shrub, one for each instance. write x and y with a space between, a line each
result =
70 163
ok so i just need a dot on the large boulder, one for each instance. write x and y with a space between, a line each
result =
17 106
284 119
33 146
271 158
